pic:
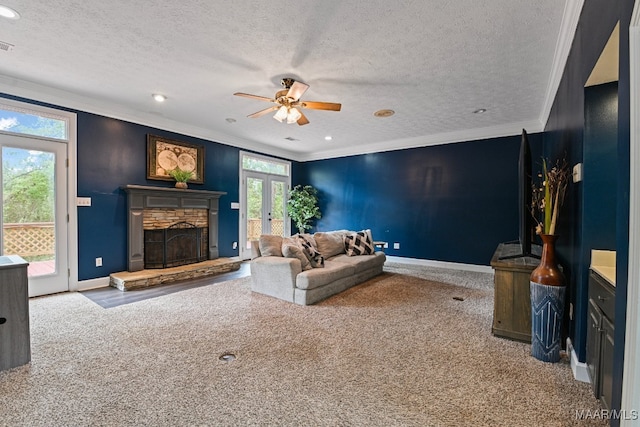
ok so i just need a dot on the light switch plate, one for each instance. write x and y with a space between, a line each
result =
577 173
83 201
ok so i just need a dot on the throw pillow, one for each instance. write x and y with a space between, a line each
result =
330 243
270 245
294 251
358 244
315 258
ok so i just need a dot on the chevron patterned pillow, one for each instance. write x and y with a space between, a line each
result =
358 244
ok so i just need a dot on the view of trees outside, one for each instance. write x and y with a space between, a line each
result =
28 175
27 186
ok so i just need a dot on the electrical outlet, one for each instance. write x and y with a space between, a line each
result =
99 262
235 245
396 245
386 245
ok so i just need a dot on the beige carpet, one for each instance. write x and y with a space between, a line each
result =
397 350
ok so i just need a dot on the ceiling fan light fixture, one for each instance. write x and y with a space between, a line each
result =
281 114
293 116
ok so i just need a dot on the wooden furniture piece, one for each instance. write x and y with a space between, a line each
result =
600 342
512 300
15 341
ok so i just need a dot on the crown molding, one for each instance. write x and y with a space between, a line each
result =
67 100
71 101
568 28
475 134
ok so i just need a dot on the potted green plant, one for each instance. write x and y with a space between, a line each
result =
302 206
181 177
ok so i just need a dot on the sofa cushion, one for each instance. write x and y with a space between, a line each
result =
359 243
294 251
361 263
270 245
317 277
330 243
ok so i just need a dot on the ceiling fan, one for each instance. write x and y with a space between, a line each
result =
288 103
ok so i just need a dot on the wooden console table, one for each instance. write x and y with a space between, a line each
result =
512 300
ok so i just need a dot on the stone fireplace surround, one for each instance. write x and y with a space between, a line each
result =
141 198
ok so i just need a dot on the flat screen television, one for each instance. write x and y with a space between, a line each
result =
525 220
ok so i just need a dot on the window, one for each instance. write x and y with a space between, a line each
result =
265 165
25 122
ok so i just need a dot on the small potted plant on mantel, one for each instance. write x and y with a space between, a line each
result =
181 177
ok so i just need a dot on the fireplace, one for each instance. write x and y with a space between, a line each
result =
143 198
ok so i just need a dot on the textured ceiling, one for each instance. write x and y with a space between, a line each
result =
432 62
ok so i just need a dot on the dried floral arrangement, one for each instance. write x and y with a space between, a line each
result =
548 195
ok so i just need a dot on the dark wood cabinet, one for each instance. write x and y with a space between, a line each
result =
600 342
512 297
15 341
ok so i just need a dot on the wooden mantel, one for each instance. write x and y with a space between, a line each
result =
140 197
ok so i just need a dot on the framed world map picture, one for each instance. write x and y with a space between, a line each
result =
165 155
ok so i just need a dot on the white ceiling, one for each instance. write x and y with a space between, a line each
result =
433 62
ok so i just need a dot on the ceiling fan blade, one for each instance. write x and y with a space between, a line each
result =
248 95
314 105
297 90
302 120
263 112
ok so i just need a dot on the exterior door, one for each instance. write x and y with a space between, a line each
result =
264 210
34 209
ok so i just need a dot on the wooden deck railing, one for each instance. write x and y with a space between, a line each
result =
29 239
254 228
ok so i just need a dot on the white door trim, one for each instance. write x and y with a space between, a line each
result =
72 132
631 377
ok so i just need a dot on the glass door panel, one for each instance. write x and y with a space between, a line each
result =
277 209
34 223
254 209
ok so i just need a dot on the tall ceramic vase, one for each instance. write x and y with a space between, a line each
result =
547 284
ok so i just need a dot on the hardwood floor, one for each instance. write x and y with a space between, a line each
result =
111 297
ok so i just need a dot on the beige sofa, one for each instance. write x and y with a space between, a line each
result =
281 270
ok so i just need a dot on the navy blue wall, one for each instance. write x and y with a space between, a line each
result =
453 202
564 133
600 160
112 153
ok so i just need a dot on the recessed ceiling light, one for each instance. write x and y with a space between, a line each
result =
159 97
384 113
328 138
480 111
7 12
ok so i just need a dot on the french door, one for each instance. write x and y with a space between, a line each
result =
34 209
264 210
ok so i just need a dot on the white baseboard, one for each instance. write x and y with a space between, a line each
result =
100 282
441 264
579 369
